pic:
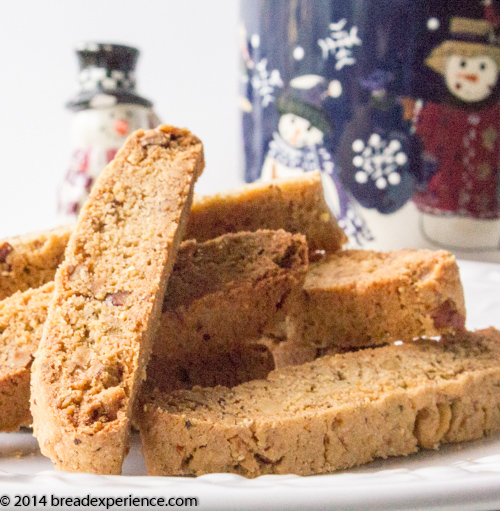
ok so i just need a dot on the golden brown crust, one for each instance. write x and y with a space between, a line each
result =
107 300
296 205
333 413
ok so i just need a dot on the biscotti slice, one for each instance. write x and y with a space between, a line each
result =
31 260
330 414
22 316
107 300
224 293
359 298
296 205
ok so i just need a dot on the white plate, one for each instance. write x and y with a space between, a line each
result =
460 477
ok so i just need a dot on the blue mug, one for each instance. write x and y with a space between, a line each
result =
394 101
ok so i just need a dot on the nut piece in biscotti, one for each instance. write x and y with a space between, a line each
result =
296 205
359 298
222 294
331 414
31 260
284 352
107 300
22 316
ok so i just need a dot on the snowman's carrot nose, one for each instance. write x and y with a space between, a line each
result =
470 77
295 136
121 126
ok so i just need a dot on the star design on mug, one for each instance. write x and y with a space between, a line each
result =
489 137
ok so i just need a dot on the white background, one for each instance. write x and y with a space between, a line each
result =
188 67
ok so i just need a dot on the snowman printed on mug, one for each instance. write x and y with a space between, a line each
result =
471 79
107 110
299 146
302 127
461 138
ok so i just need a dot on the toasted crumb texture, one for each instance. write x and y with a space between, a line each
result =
32 260
224 293
107 300
257 267
22 316
359 298
330 414
296 205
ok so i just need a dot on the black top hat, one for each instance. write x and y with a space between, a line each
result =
106 70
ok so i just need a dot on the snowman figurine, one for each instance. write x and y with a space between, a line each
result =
461 136
107 109
298 146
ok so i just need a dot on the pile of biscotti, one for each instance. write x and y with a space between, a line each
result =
234 331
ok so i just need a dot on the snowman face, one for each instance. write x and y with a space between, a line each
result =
471 79
298 132
109 127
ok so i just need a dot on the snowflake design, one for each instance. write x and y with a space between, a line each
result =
340 44
264 82
379 160
256 77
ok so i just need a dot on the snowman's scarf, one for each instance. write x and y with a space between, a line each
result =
306 158
310 158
